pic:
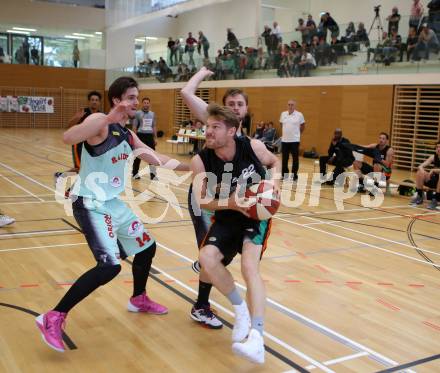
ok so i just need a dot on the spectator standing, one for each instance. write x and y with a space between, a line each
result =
416 14
144 125
232 39
311 25
393 20
267 38
171 46
277 30
35 57
292 124
26 48
75 54
304 30
330 24
203 43
189 47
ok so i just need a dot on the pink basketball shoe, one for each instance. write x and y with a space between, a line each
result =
51 325
142 303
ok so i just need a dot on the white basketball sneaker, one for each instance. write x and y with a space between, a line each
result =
252 349
242 322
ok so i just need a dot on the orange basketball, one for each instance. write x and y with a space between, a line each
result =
267 201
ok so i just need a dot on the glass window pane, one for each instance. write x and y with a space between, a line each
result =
58 52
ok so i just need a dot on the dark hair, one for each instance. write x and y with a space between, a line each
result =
94 93
234 92
385 134
119 87
224 114
146 98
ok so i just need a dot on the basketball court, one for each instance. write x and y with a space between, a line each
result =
352 290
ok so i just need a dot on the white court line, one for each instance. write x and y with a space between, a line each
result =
42 247
364 219
382 359
266 334
37 233
334 361
296 315
32 143
27 202
336 224
20 187
25 176
360 242
24 195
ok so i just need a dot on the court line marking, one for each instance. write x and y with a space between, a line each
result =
37 233
314 325
42 247
25 176
285 310
336 224
365 219
266 334
22 188
336 361
375 355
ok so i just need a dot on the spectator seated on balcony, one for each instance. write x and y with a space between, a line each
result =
183 73
428 42
378 51
322 53
411 43
362 36
269 133
336 50
397 44
306 64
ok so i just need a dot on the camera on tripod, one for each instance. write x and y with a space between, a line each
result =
377 9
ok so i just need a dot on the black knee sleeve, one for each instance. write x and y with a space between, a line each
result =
105 274
144 257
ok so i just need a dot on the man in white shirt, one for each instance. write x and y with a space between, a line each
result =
293 124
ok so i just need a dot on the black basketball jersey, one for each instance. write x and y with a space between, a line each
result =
383 152
224 176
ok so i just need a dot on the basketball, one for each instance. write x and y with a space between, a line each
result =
267 201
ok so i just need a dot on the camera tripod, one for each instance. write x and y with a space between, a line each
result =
378 22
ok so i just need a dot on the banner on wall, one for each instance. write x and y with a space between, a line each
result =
27 104
3 104
33 104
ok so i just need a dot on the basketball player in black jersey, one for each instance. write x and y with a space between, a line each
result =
382 154
230 163
429 178
94 98
237 101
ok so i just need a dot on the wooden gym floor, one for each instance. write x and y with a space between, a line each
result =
348 291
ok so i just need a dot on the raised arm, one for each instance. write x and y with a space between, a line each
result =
194 103
94 128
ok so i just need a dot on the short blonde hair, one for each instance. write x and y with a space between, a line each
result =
224 114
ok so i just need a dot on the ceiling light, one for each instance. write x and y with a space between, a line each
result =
98 32
87 35
24 29
150 38
140 40
74 37
18 32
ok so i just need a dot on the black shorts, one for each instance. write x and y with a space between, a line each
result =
228 238
366 168
76 154
432 182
